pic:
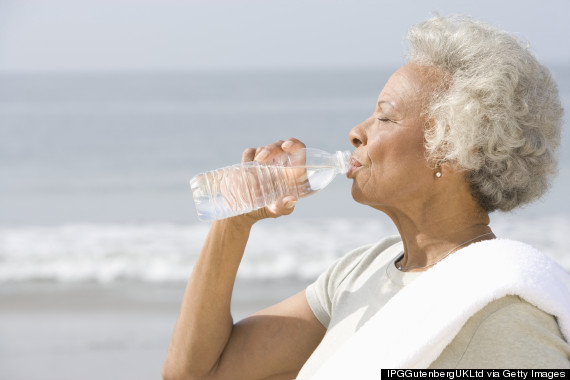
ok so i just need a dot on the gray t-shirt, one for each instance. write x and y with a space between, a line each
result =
507 333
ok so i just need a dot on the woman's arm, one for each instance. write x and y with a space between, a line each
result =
207 345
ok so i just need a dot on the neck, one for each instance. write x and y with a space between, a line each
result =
430 237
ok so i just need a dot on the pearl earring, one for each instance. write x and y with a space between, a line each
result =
438 174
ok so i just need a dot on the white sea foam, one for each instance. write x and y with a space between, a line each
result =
167 252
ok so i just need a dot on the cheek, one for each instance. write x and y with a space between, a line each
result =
399 153
393 166
367 186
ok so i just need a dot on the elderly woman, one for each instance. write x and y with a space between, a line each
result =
469 126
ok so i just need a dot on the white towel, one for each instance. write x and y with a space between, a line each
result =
435 307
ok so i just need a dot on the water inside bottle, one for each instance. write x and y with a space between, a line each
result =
242 188
317 177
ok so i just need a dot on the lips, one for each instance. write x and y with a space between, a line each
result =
354 165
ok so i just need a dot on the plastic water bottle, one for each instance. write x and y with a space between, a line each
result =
249 186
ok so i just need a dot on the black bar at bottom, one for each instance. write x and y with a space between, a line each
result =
452 374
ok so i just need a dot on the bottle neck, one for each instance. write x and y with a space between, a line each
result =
342 161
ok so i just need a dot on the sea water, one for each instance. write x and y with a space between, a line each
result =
95 168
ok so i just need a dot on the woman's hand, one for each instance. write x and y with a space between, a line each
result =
266 154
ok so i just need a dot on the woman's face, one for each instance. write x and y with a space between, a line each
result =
389 165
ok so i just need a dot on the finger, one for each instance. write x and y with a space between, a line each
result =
287 205
248 155
290 202
284 206
269 152
258 154
292 144
293 147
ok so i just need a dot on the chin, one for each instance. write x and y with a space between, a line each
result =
355 191
359 197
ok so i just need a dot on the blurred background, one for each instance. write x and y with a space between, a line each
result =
108 108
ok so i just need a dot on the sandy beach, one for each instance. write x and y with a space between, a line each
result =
52 331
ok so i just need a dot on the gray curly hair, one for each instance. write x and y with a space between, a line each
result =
497 115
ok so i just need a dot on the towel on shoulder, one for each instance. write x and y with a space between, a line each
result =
435 307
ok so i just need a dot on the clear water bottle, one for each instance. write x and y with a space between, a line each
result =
249 186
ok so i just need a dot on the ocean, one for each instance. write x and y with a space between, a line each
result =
95 169
98 231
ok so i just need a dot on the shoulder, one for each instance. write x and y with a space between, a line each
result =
355 261
507 333
345 270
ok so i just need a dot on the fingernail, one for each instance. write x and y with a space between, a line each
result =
290 204
287 144
262 155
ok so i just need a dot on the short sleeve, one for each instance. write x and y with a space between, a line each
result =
508 333
320 294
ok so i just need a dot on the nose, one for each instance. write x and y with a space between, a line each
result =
357 135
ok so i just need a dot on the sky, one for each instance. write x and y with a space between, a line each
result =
107 35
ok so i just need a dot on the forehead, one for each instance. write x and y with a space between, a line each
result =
409 87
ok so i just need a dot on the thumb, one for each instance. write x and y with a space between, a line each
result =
284 206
